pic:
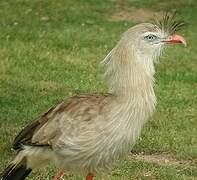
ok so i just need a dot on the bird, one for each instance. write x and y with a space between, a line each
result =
89 134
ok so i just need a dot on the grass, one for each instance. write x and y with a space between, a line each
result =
51 50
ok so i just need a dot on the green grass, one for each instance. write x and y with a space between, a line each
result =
51 50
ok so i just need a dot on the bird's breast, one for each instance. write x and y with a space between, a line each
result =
111 140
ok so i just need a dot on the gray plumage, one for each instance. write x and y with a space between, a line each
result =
90 133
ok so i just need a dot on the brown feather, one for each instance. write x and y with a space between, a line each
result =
69 106
25 136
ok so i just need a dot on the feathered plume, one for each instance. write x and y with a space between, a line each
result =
169 23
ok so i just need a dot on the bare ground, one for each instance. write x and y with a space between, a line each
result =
163 159
135 15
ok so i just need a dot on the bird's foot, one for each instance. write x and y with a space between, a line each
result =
90 177
59 175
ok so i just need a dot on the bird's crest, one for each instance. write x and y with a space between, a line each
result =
169 23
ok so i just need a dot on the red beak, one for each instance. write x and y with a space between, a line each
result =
176 39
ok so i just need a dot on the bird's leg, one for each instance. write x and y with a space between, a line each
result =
59 175
90 177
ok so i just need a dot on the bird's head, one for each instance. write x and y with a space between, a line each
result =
149 39
139 47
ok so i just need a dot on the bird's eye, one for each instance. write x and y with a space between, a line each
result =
150 37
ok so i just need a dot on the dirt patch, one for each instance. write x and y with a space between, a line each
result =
136 15
162 159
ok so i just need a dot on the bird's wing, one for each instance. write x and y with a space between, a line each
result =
66 117
25 136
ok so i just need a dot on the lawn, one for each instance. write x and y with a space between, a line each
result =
51 50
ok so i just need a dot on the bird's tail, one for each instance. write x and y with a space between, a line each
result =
16 171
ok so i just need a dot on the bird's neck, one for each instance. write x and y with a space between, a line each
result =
128 73
131 83
133 88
